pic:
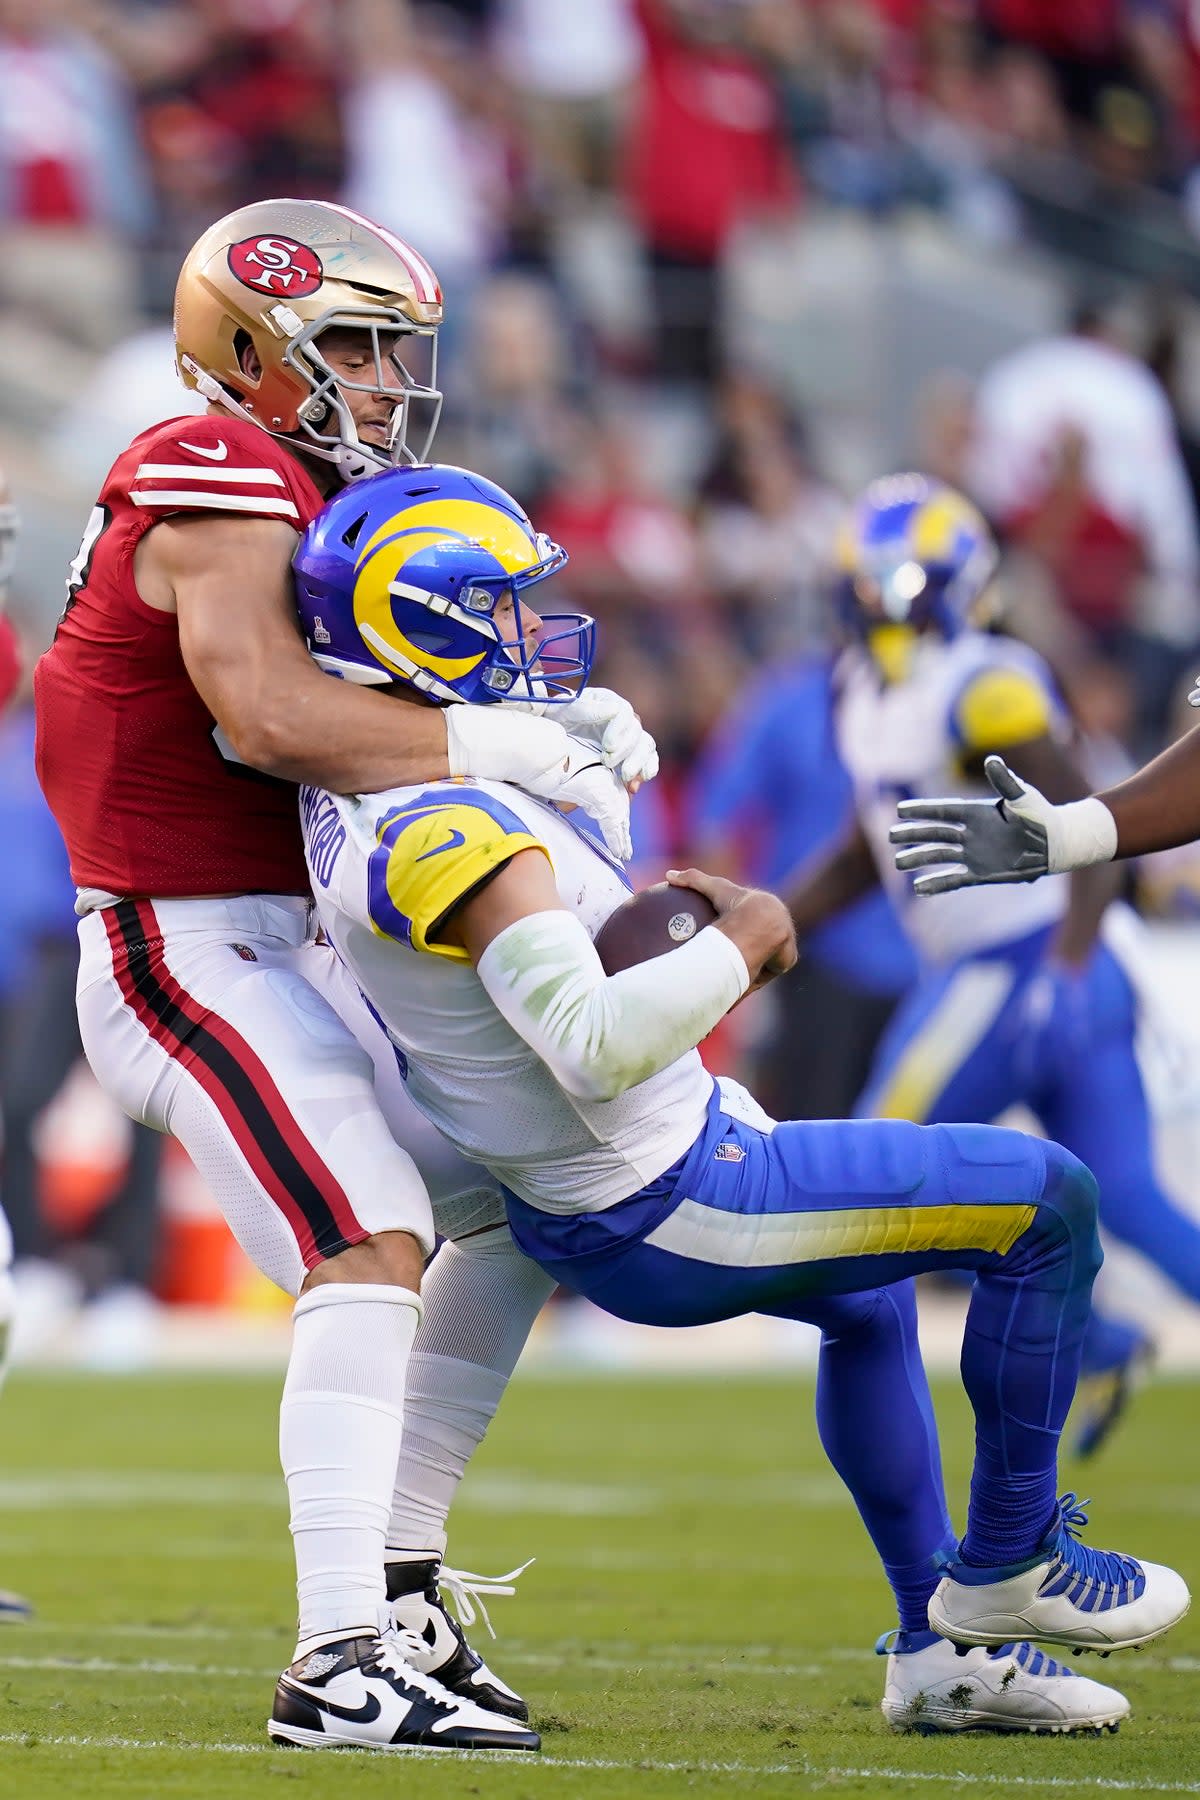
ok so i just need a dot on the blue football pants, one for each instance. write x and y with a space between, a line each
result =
827 1222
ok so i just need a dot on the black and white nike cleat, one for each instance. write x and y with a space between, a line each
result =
415 1592
363 1691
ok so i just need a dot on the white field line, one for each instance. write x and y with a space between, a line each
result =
97 1665
67 1490
47 1491
749 1659
631 1663
553 1650
800 1765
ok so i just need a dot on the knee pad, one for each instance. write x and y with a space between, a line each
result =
1073 1194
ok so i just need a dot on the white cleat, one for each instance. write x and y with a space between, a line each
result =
415 1590
363 1691
932 1687
1068 1594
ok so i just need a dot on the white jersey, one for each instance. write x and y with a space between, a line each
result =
386 868
909 739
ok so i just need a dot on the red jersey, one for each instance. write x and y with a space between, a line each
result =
128 754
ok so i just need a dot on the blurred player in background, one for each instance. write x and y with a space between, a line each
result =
176 708
826 1016
12 1607
1018 834
1024 999
467 914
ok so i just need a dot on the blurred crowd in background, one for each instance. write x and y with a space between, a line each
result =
709 265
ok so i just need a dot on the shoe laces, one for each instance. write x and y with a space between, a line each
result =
392 1652
1032 1660
1093 1580
466 1592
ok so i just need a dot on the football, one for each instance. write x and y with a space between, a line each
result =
658 919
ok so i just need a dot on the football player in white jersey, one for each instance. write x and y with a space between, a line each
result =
1025 994
466 911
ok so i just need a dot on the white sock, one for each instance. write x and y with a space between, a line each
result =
340 1427
481 1298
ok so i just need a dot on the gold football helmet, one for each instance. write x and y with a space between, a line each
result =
279 273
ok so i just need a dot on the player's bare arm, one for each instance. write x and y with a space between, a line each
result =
834 880
1159 807
602 1034
229 581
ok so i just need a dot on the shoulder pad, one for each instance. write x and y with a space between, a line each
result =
430 852
1001 706
212 464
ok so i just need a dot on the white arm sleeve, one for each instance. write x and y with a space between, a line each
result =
599 1034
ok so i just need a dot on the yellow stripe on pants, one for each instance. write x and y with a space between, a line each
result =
952 1032
768 1240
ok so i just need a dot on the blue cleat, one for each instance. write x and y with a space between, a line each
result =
13 1609
1064 1594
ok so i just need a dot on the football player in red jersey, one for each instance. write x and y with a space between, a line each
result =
176 708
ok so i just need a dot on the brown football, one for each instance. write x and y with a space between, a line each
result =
658 919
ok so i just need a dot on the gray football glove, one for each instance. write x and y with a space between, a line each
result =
974 842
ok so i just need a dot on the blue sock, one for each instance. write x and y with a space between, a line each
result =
1020 1363
877 1426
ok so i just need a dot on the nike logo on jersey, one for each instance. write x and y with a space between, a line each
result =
213 452
452 843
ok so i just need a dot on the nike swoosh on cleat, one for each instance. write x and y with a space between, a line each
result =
365 1714
214 452
452 843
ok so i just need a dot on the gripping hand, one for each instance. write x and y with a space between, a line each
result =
495 743
607 721
597 790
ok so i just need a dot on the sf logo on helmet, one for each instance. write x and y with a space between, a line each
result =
276 265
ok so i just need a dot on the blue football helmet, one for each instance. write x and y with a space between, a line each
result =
400 578
914 557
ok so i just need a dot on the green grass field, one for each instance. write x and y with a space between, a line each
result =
699 1618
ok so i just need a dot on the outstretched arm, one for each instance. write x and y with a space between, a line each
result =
1159 806
1018 837
1023 834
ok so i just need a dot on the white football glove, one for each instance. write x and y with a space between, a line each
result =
606 720
496 743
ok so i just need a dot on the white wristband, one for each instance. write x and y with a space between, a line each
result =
1079 834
